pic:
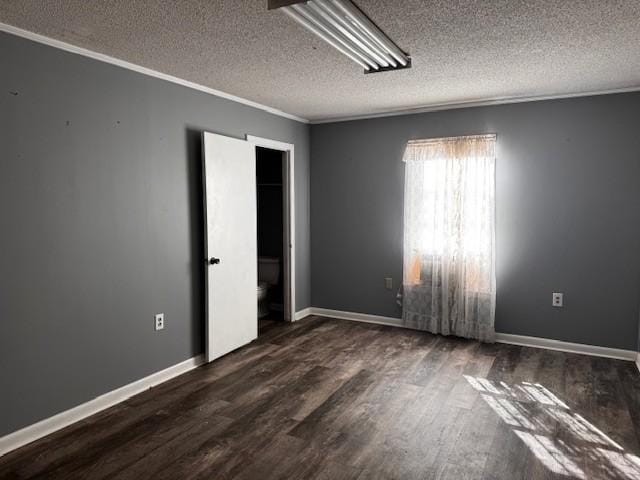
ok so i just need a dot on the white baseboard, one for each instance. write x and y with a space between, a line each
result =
305 312
49 425
521 340
581 348
357 317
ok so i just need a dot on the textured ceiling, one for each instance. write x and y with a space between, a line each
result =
463 51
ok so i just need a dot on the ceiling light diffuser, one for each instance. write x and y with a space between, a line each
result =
343 26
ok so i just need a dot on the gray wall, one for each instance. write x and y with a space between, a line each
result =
101 211
568 213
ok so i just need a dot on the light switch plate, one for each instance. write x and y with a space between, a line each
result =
388 283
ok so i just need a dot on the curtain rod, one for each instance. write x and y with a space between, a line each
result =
451 139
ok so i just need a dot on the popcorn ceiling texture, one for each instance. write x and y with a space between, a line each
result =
463 51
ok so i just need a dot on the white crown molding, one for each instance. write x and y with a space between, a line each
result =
521 340
470 104
36 37
63 419
52 42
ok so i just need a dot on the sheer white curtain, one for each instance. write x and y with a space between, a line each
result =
449 282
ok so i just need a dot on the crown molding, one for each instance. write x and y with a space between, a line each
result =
36 37
52 42
470 104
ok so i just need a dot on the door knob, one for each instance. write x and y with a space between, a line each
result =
214 261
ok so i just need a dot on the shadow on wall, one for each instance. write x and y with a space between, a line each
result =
196 227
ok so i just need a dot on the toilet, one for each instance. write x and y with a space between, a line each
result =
268 276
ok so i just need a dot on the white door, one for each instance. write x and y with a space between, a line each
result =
231 244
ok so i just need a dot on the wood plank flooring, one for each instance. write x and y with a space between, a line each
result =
331 399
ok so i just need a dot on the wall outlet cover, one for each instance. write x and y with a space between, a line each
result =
388 283
557 299
159 321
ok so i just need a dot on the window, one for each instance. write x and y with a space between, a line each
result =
449 224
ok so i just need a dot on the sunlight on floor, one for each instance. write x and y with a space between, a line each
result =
560 438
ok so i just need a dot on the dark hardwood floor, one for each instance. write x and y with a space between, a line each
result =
331 399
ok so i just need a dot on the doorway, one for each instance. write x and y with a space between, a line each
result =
275 227
270 236
230 207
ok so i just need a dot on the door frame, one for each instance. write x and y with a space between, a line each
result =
288 189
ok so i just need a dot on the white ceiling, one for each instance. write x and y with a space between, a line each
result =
463 51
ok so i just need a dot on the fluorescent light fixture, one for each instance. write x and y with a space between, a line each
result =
343 26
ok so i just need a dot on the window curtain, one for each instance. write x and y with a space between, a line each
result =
449 284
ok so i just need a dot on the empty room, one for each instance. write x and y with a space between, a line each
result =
322 239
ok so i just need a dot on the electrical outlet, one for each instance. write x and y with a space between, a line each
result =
159 321
557 299
388 283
